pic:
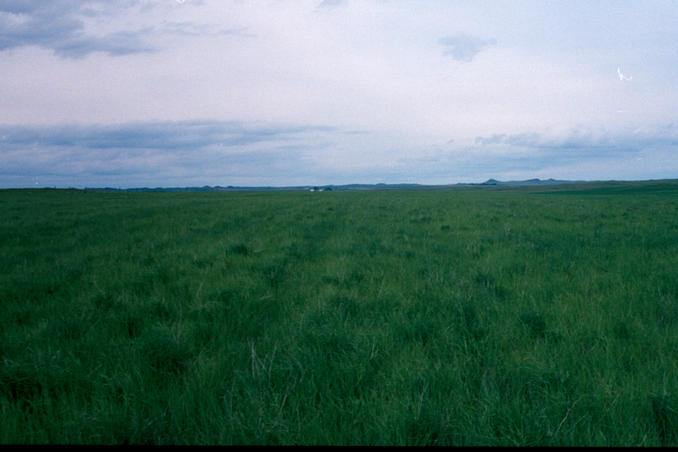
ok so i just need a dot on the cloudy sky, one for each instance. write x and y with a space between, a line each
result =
131 93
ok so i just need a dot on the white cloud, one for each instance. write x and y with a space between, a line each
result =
622 76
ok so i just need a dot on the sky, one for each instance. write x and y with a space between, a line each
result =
168 93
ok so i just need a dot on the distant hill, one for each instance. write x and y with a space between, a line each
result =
381 186
528 182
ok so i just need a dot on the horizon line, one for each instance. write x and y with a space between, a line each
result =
488 182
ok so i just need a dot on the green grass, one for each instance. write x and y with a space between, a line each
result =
404 317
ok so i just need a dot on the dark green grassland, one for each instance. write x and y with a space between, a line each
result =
451 317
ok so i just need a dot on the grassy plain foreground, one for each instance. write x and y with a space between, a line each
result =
406 317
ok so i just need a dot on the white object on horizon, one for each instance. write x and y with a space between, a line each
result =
622 76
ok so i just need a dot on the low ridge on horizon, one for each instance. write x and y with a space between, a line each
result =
350 186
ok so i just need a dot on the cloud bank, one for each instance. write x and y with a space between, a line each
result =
154 153
232 153
59 25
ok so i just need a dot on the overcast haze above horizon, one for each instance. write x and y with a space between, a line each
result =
167 93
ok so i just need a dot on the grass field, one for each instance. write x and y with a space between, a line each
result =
404 317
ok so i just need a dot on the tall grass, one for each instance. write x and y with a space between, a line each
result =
422 317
